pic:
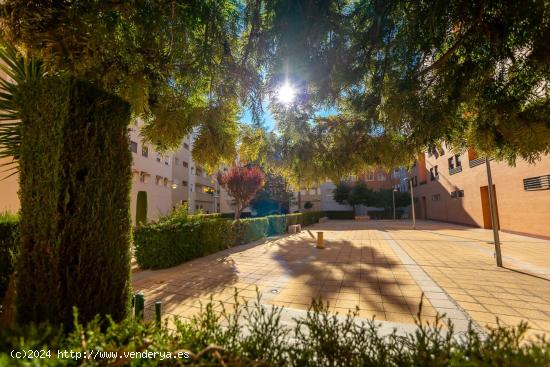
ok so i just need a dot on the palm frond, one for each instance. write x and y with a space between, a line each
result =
18 70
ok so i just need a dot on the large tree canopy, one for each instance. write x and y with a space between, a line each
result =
398 76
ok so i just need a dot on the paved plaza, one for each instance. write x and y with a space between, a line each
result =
379 267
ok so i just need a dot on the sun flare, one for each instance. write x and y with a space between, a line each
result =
286 94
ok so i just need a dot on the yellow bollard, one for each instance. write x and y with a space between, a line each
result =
320 240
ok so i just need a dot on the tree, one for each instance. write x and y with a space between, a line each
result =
275 196
352 194
242 183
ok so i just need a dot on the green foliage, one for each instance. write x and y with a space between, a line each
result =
308 205
250 229
293 219
170 242
75 177
277 224
9 244
19 70
309 218
274 197
254 335
337 214
358 193
141 208
385 214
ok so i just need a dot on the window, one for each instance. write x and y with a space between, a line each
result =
434 174
158 157
199 172
302 192
167 161
458 161
133 146
313 191
165 181
186 146
414 181
184 183
370 176
381 177
158 180
144 177
176 161
436 171
185 164
457 194
436 197
145 150
451 163
536 183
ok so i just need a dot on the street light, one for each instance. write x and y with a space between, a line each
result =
393 194
412 203
493 209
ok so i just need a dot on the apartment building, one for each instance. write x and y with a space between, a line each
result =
321 197
453 188
172 179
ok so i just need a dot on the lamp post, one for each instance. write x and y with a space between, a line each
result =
412 204
393 195
493 209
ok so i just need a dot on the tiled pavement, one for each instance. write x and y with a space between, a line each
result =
382 267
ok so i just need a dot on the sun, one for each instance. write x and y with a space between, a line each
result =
286 94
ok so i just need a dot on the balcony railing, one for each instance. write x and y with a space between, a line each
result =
452 171
476 162
537 183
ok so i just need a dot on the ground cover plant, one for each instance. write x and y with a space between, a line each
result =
253 335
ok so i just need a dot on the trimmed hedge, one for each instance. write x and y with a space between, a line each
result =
385 214
309 218
277 224
250 229
75 180
294 218
9 243
335 214
165 244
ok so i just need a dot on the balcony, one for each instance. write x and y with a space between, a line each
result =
476 162
204 197
205 181
452 171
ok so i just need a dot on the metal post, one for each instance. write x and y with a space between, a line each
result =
320 240
393 194
139 305
412 204
158 305
493 208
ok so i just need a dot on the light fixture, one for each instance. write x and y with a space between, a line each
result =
174 186
286 93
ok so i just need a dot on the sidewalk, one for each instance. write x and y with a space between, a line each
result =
381 267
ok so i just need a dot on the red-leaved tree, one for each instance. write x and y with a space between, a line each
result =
242 183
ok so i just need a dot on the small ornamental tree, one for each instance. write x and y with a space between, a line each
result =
242 183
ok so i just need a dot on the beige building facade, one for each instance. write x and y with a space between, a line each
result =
453 188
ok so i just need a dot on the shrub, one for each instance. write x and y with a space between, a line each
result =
168 243
336 214
75 178
309 218
277 224
308 205
294 218
385 214
9 243
250 229
254 335
141 208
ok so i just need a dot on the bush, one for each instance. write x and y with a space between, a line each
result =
141 208
337 214
294 218
260 338
168 243
277 224
75 179
9 243
309 218
385 214
250 229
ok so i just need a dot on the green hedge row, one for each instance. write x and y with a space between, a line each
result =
9 237
179 237
335 214
162 245
385 214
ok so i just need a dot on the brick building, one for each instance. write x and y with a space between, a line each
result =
453 188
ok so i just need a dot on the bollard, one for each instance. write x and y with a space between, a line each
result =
157 312
320 240
139 305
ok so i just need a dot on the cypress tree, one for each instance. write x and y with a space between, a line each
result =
141 208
